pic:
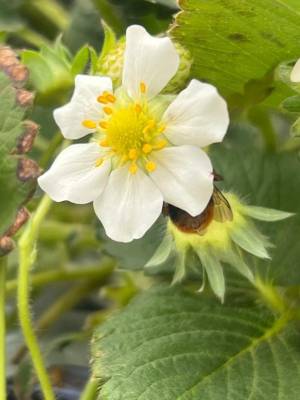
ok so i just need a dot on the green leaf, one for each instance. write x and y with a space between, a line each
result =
136 254
170 344
56 64
266 180
17 173
236 42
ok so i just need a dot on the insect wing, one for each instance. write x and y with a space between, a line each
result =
222 209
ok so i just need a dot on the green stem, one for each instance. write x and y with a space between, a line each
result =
45 278
47 16
271 296
27 256
66 302
31 37
3 262
90 390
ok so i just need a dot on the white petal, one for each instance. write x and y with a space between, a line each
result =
83 106
197 116
129 205
184 176
148 59
295 74
74 176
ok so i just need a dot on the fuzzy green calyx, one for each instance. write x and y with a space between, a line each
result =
223 242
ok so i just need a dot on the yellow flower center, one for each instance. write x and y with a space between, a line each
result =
129 131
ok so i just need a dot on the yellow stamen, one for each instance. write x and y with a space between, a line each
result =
160 144
99 162
103 124
87 123
133 154
143 87
138 108
102 99
150 166
108 110
133 168
149 126
147 148
162 128
110 98
104 143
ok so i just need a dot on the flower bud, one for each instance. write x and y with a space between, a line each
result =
111 64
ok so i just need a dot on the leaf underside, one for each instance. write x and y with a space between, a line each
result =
17 173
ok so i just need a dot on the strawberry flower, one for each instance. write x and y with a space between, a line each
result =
146 146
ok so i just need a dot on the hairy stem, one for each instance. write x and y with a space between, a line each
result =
31 37
67 301
97 271
271 296
26 257
3 262
90 391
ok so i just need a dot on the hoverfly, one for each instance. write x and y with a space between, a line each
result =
218 209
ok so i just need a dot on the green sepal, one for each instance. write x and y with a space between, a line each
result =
180 268
109 42
214 270
251 240
236 260
80 60
266 214
291 104
162 253
295 129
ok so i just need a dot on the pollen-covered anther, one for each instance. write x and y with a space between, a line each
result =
160 144
104 143
150 166
88 123
108 110
102 99
133 154
147 148
143 87
103 124
133 168
138 108
111 98
150 125
161 128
